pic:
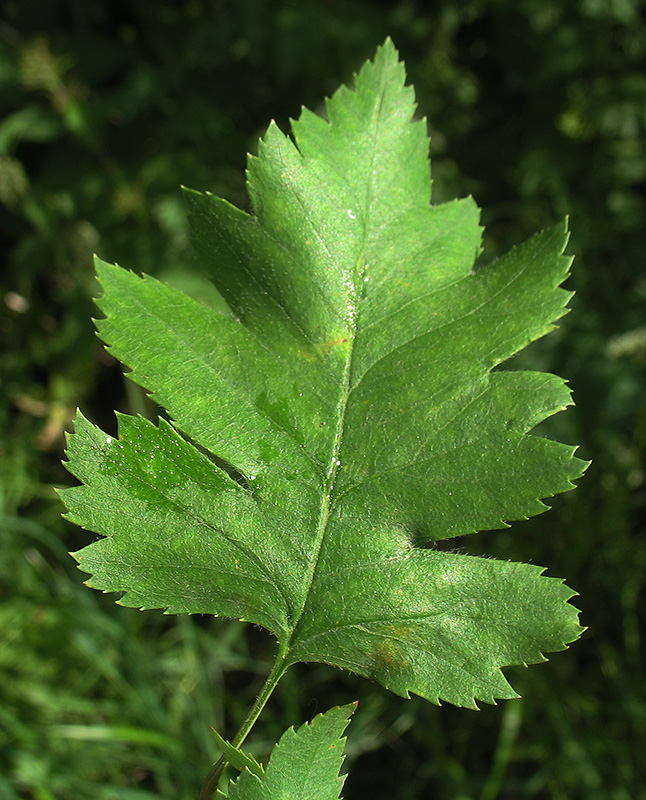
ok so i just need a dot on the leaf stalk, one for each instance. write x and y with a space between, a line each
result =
211 781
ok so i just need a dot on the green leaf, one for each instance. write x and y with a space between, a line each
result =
342 419
236 757
304 765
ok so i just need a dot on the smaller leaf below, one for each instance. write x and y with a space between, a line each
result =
304 765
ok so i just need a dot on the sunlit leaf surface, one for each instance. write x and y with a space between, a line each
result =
344 417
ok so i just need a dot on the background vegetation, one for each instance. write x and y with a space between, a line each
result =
537 108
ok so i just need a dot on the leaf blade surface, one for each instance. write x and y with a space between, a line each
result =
353 392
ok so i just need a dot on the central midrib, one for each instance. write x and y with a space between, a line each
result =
326 500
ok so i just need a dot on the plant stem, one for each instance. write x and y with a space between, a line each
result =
278 670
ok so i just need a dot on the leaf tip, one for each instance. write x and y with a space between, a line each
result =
389 48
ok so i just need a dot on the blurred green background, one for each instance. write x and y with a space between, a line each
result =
537 108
